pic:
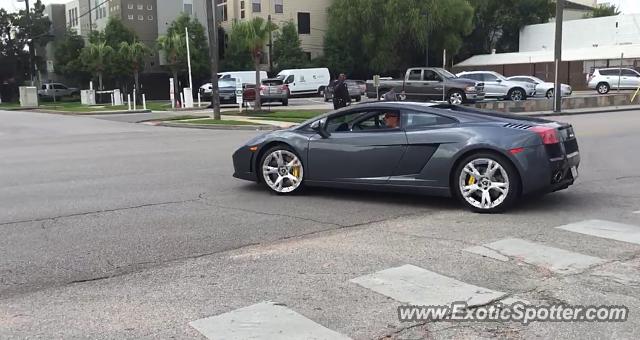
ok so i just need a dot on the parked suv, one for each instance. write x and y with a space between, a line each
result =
605 79
497 86
56 90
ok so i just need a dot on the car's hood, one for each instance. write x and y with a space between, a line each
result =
520 83
463 81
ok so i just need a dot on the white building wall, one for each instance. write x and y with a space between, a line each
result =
72 14
585 33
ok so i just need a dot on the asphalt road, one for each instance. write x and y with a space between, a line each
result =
116 230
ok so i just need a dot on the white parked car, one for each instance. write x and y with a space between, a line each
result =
498 86
543 88
306 81
246 77
605 79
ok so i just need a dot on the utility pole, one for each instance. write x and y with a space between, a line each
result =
426 48
212 25
270 42
30 43
557 89
186 36
90 19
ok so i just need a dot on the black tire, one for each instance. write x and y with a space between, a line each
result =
358 98
453 96
516 94
321 91
381 93
285 102
549 93
263 180
603 88
513 192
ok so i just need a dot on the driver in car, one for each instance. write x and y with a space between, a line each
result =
392 120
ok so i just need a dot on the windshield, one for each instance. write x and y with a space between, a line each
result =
227 83
281 77
448 74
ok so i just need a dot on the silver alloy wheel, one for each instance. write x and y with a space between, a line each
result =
602 89
455 98
516 95
550 93
484 183
282 171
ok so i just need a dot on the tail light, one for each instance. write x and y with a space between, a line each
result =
262 89
548 134
284 87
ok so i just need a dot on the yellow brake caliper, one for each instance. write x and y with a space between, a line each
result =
472 180
295 171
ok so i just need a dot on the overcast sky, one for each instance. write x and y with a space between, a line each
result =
626 6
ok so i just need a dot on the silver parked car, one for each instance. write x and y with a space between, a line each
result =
498 86
56 90
605 79
543 88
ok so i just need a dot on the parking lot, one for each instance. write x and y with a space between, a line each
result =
118 230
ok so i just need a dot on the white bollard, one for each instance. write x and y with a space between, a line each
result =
121 98
134 100
199 102
182 100
113 100
144 102
129 101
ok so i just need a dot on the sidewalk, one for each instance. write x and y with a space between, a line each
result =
569 112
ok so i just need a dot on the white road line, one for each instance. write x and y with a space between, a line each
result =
417 286
555 259
486 252
637 212
606 229
264 320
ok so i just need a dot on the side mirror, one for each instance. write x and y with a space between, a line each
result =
498 80
318 126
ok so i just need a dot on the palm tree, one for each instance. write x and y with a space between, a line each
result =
97 57
256 33
172 45
135 54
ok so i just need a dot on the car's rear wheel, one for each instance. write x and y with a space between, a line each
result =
282 170
549 93
516 95
486 183
603 88
358 98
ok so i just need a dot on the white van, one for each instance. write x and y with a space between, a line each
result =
306 80
246 77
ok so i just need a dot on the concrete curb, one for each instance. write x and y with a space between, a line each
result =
220 127
89 113
606 109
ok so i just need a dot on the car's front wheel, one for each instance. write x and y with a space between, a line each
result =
282 170
603 88
516 95
456 97
549 93
486 183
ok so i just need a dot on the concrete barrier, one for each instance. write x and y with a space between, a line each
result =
534 105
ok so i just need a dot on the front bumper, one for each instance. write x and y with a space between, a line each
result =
243 160
473 97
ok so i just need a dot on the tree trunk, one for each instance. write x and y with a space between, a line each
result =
175 87
136 77
258 103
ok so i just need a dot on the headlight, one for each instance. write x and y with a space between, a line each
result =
470 89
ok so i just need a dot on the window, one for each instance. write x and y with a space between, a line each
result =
365 122
130 6
471 76
188 9
430 75
629 73
43 87
59 87
415 75
140 7
290 79
150 17
489 77
222 10
130 16
141 17
304 23
149 7
415 120
279 6
256 6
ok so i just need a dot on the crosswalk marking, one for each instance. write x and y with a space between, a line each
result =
417 286
606 229
264 320
637 212
555 259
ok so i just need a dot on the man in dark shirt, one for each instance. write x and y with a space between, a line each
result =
340 92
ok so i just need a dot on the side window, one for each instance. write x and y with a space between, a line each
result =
342 123
471 76
416 120
59 87
429 75
629 73
489 77
43 87
608 72
379 120
290 79
415 75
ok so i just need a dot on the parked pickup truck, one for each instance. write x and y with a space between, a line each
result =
430 83
56 90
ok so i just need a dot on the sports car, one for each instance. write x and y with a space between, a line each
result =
486 160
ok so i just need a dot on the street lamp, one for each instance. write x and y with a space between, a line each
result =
30 43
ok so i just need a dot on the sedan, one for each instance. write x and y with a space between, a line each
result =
543 88
487 160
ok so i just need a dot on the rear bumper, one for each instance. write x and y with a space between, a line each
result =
541 174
